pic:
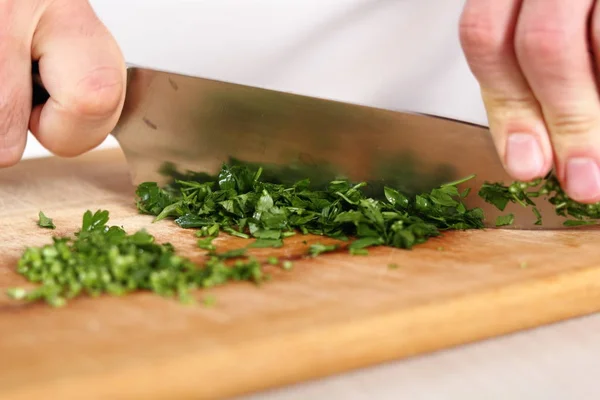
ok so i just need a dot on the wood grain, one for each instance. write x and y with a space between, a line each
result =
326 316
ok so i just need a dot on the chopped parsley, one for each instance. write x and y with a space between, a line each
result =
102 259
237 201
318 248
525 193
359 252
45 222
505 220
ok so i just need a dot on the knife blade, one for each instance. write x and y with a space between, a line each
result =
197 124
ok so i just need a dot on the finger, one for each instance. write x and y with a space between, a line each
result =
83 70
552 49
15 82
514 115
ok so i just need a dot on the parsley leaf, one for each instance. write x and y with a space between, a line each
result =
365 242
318 248
261 243
45 222
505 220
359 252
206 243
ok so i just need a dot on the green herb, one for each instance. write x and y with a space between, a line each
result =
205 231
206 243
318 248
45 222
505 220
273 260
575 222
538 216
458 182
238 202
235 253
393 266
358 252
365 242
261 243
16 293
525 193
233 232
287 265
102 259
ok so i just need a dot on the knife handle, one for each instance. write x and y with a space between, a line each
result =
40 94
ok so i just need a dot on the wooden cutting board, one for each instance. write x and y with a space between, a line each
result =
327 315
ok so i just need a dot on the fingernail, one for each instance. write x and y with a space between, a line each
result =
583 179
524 157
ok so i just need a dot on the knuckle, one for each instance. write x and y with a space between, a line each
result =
484 43
513 101
543 44
507 105
574 124
99 94
480 37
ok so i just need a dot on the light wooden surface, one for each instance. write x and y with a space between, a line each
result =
328 315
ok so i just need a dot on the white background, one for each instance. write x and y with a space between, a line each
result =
399 54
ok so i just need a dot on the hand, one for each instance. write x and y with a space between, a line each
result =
538 75
81 67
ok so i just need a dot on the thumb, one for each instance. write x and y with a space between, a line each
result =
83 70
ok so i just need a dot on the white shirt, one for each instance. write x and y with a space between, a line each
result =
396 54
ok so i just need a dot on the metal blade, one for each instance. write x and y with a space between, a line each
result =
198 124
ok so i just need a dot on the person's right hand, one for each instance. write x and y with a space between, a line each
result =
81 67
537 62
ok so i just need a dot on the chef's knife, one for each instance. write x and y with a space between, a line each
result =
197 124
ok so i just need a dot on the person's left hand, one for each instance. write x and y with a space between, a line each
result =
536 62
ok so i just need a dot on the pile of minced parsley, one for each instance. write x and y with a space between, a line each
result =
104 259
